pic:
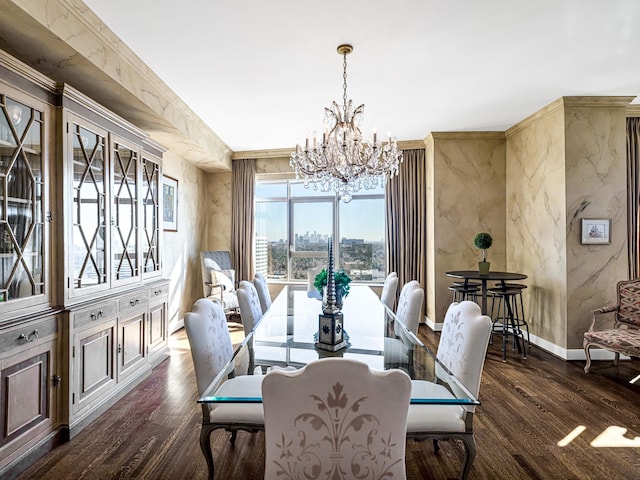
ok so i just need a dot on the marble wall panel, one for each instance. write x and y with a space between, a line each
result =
181 257
596 188
468 182
219 186
536 229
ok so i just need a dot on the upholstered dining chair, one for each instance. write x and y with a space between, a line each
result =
250 309
312 291
219 280
410 305
389 290
262 287
331 417
211 349
462 350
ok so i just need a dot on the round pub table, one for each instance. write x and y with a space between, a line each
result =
501 277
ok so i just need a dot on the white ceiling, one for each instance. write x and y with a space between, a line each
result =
260 72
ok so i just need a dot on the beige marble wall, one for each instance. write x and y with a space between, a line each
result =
181 257
466 175
564 163
536 226
595 133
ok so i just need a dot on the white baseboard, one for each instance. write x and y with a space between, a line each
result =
568 354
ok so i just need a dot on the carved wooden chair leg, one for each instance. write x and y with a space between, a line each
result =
205 446
469 455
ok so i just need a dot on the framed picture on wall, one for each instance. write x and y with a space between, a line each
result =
169 203
596 231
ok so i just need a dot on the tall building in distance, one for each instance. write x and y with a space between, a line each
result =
262 255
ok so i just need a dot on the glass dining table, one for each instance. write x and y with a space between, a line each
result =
286 336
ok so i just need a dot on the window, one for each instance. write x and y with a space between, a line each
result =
293 225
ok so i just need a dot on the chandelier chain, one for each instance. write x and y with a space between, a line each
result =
344 84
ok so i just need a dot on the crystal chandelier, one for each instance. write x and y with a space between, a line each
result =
340 161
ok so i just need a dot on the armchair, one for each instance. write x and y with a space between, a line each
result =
624 337
218 280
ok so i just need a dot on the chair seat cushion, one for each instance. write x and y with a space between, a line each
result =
229 300
433 418
625 341
239 413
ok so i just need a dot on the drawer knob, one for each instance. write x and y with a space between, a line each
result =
133 302
30 337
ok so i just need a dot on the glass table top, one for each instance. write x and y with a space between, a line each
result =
286 338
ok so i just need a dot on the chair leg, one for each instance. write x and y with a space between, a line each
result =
469 457
205 446
234 434
588 355
616 359
436 445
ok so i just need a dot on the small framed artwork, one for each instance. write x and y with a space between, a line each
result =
596 231
170 204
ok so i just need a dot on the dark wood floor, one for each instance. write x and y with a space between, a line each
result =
528 407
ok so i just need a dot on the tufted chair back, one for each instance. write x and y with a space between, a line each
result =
250 309
628 311
410 305
389 290
262 287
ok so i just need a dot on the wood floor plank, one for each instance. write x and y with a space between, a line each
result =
528 406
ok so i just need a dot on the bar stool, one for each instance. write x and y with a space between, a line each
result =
461 293
509 319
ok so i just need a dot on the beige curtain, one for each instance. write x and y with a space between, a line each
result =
633 193
242 216
406 221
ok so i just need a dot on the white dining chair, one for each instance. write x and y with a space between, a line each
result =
462 350
389 290
338 417
250 308
211 350
262 287
312 291
410 305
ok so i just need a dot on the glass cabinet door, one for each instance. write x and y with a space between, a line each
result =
150 216
22 248
124 219
89 248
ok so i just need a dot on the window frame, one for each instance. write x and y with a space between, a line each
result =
315 198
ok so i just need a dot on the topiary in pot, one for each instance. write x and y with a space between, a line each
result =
483 241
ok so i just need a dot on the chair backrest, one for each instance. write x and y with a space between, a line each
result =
629 303
463 343
209 338
338 417
214 260
260 282
389 290
410 305
312 291
250 309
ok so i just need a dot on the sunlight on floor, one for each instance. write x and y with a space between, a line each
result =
634 380
611 437
614 437
572 436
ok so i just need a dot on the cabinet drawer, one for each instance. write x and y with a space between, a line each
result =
94 314
158 292
27 334
135 300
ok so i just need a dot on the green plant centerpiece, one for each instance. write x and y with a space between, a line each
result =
483 241
342 281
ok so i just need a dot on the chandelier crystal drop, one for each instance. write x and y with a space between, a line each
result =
340 160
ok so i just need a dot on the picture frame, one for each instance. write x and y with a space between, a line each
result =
169 204
596 231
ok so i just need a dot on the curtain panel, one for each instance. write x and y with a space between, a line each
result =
633 193
242 217
406 210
